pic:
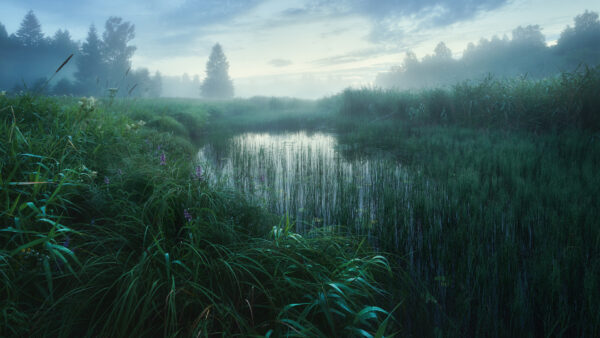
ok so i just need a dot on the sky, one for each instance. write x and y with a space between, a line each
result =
300 48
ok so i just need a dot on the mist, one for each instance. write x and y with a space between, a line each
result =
525 53
300 168
108 61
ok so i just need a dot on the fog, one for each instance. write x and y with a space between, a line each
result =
304 49
524 54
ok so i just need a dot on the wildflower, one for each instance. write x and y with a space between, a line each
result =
158 148
262 178
141 123
120 172
199 172
67 241
87 104
187 215
163 159
106 180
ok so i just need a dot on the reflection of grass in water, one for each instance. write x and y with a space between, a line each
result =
490 222
109 230
305 177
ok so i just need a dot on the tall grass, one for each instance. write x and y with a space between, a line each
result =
465 211
499 229
494 217
566 100
106 231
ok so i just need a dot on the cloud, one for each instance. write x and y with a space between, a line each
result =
295 12
280 62
204 12
355 56
386 15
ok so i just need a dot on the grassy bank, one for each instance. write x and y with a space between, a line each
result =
109 229
497 219
482 206
568 100
501 223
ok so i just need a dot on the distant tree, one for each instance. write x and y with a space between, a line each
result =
138 83
62 42
5 67
581 43
217 83
530 36
3 33
117 53
442 52
156 85
196 81
527 53
30 32
90 63
63 87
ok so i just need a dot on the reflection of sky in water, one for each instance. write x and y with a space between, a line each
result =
303 175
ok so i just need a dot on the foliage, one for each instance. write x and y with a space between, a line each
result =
217 84
101 64
90 63
117 53
526 54
30 32
108 230
566 100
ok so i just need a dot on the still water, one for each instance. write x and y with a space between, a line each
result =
305 176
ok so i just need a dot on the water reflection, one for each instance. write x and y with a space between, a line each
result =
304 176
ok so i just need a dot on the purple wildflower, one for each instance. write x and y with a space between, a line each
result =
67 241
120 172
198 172
106 180
187 215
163 159
262 178
159 147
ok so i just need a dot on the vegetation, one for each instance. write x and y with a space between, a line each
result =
483 194
525 54
217 84
110 229
102 65
465 211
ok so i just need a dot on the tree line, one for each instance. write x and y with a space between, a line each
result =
524 54
101 64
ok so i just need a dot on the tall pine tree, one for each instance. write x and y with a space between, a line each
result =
90 64
30 33
217 84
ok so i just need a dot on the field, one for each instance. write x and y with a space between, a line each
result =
463 211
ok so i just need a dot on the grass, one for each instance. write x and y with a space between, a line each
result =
463 211
567 100
494 212
96 241
498 228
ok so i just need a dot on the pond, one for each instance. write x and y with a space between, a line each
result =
305 176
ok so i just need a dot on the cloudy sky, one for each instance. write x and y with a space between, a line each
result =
304 48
